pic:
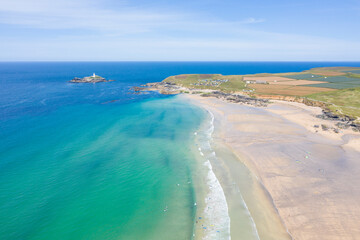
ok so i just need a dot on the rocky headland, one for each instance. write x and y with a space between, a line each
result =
161 87
343 121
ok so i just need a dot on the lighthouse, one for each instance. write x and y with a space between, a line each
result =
93 74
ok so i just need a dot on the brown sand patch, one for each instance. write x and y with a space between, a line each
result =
181 76
330 73
287 89
205 75
297 82
268 79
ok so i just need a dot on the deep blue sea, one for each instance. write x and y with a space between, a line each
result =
94 161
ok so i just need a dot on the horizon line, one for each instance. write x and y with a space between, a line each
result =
234 61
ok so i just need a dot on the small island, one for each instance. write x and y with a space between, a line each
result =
91 79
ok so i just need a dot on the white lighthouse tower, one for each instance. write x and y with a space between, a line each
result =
93 74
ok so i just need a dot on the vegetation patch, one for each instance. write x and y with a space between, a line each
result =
205 75
353 71
306 76
231 83
181 76
335 85
338 79
329 73
286 90
297 82
343 102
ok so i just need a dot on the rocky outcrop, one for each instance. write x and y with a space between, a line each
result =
161 87
262 101
236 98
92 79
343 122
303 100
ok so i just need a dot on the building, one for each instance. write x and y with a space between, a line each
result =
261 82
256 82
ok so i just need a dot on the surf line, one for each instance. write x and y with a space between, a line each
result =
216 221
215 190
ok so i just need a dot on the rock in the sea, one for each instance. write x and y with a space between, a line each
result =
161 87
92 79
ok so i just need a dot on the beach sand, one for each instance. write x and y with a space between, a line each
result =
302 179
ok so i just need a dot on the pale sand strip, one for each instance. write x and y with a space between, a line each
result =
313 177
268 79
297 82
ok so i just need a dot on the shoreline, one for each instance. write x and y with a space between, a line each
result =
304 169
240 187
212 219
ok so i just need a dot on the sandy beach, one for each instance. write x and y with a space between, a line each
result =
307 178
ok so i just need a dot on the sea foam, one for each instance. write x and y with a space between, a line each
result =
216 224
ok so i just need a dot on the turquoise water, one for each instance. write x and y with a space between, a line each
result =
91 161
101 172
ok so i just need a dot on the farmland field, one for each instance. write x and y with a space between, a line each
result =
298 82
338 79
268 79
334 69
336 85
328 73
353 71
306 76
287 89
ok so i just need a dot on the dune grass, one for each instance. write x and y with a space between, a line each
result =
343 102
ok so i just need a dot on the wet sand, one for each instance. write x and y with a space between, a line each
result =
302 180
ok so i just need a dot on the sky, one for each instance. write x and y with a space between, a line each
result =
179 30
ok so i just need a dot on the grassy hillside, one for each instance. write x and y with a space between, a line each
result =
231 83
343 102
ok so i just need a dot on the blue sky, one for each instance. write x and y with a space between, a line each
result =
186 30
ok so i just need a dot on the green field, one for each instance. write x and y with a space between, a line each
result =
306 76
338 79
351 80
337 82
343 102
353 71
334 69
334 79
335 85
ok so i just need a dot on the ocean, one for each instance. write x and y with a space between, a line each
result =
95 161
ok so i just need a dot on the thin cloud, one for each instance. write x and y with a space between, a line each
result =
91 15
67 14
253 20
90 30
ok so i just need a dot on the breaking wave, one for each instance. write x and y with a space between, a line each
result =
216 224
